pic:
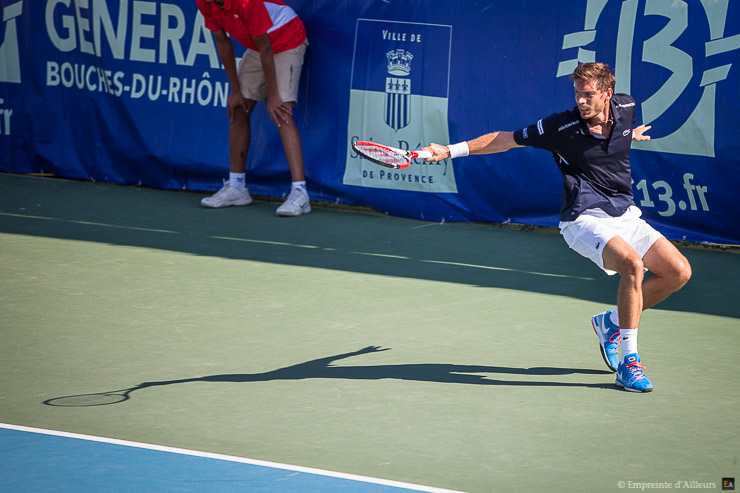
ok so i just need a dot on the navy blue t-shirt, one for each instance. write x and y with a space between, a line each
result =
596 168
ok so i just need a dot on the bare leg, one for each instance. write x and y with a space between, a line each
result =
621 257
240 133
671 271
293 149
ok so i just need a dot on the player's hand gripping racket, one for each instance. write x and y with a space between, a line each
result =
387 156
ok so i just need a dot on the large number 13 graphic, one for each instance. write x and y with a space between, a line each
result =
696 135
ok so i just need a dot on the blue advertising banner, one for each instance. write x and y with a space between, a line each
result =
133 92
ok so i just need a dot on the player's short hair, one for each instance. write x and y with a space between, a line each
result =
600 73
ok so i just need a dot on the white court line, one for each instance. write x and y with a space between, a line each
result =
506 269
87 223
384 255
265 242
230 458
311 247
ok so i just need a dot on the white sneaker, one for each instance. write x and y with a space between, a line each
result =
226 197
296 204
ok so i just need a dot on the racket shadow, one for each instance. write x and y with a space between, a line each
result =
324 368
95 399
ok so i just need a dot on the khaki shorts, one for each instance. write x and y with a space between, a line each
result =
288 65
592 230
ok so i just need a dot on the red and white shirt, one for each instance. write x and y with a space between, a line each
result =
244 20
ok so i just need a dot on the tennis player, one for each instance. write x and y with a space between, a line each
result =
591 145
269 72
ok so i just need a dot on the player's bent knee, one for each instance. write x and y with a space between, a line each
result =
683 273
633 267
678 273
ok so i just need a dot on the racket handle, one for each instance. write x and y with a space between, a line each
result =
422 155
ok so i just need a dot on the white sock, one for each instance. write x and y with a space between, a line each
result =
629 341
299 185
236 180
615 316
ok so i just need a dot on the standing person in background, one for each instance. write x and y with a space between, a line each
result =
269 72
591 146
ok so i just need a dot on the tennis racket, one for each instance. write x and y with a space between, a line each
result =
387 156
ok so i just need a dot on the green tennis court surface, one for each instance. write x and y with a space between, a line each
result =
455 356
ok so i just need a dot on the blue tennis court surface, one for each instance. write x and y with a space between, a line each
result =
41 460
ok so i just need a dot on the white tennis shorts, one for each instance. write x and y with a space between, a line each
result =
592 230
288 65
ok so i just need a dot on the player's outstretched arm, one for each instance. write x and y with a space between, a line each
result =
485 144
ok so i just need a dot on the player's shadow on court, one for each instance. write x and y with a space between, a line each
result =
323 368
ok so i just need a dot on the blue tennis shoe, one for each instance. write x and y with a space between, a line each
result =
630 375
608 335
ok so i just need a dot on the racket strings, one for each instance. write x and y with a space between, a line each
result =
388 156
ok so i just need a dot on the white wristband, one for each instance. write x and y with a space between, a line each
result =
459 150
